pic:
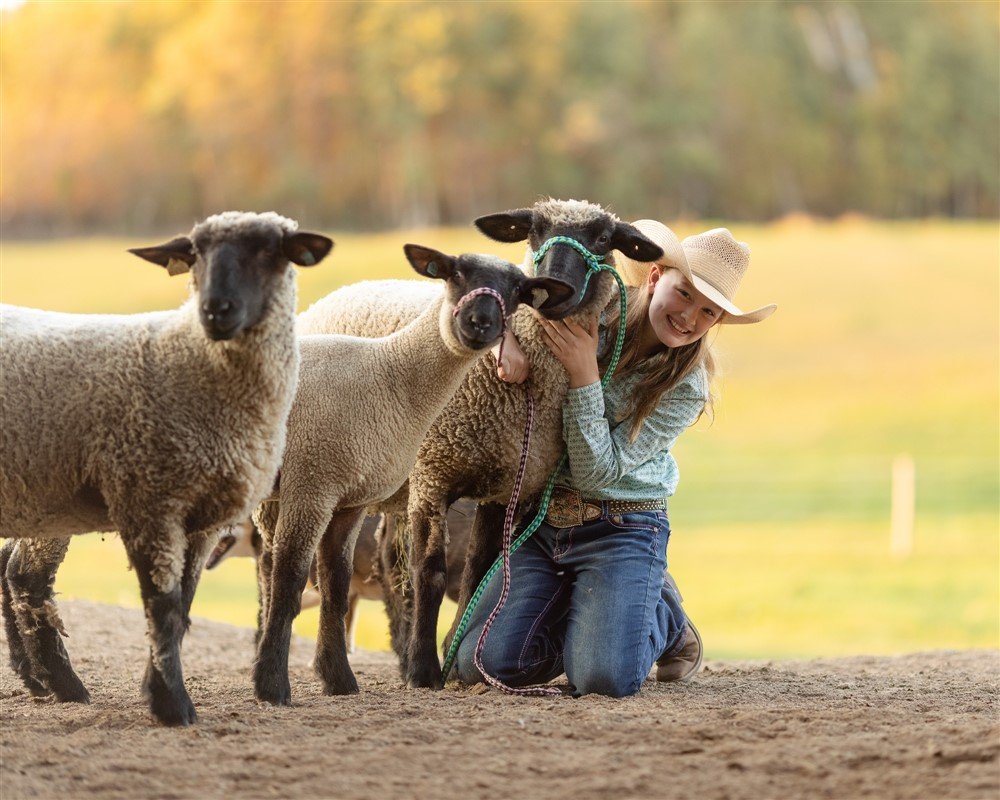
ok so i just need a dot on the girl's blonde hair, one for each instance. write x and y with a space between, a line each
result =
660 372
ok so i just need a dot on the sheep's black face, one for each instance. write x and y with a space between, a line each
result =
480 320
235 275
238 271
237 261
598 231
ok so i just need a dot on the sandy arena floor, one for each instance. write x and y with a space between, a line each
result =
925 725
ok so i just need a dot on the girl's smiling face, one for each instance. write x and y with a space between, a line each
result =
678 313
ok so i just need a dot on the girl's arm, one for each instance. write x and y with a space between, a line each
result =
598 453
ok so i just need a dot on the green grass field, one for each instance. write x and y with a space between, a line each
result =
886 341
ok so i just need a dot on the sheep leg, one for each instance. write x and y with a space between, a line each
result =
197 551
158 560
29 573
264 562
351 620
296 534
265 518
429 574
336 564
19 660
397 590
482 551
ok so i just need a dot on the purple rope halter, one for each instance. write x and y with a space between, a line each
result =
465 298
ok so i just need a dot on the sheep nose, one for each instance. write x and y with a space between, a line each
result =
481 322
217 307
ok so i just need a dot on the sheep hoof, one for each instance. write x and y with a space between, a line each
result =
175 714
424 676
168 702
273 689
346 685
71 691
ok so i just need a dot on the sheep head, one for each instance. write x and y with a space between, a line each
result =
236 260
598 230
478 323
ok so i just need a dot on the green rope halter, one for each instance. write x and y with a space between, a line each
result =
595 264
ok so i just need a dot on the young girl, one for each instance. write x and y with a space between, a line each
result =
590 594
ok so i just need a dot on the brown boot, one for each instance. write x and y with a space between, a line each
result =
683 664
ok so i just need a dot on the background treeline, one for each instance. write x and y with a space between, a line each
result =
132 116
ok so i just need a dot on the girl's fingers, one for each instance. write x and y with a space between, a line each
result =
589 330
553 332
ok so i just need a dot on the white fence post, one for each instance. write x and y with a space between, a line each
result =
903 506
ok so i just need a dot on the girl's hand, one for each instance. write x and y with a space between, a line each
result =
514 367
576 349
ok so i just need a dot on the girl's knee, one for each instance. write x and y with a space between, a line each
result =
608 686
609 679
499 662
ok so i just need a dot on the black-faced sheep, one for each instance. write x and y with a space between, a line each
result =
164 427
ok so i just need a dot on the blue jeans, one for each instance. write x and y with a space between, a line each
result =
588 601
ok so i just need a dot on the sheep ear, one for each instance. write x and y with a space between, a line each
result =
537 291
429 262
508 226
306 249
177 255
628 240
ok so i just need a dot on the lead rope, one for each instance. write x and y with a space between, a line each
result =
508 531
595 264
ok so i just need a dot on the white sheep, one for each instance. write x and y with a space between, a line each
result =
163 426
360 413
472 450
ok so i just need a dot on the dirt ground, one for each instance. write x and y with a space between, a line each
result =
925 725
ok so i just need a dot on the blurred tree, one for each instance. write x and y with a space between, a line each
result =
136 115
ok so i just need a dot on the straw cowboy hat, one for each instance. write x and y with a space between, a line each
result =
713 261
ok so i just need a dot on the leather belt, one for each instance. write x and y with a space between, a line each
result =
568 508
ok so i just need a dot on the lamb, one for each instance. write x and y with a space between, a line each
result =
361 410
472 450
164 426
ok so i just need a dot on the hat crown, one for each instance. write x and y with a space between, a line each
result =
718 259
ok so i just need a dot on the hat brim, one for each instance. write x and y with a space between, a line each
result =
733 315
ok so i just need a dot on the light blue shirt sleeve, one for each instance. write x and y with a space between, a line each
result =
599 451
